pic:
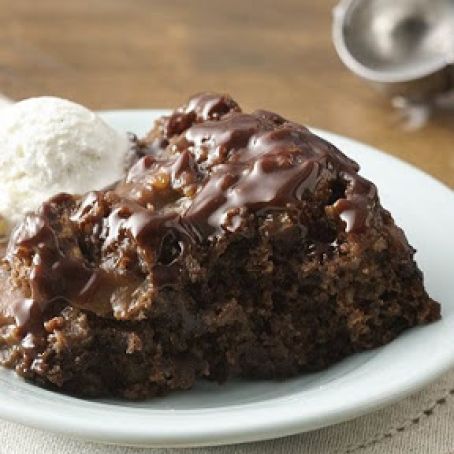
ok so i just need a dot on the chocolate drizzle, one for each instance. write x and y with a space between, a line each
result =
354 210
207 170
59 276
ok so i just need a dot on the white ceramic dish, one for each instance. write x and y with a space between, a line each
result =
244 411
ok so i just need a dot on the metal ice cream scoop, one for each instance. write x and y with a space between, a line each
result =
403 47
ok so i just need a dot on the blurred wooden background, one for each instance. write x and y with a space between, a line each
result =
154 53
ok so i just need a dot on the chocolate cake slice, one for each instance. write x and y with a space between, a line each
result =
238 245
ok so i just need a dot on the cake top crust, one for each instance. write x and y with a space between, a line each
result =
204 175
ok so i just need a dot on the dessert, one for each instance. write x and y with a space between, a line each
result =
238 245
50 145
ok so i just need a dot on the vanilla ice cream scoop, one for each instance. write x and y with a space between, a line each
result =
50 145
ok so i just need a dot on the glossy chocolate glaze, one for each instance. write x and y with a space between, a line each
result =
206 171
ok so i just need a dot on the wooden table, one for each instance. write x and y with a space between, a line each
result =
144 53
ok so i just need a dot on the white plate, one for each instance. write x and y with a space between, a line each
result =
253 410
